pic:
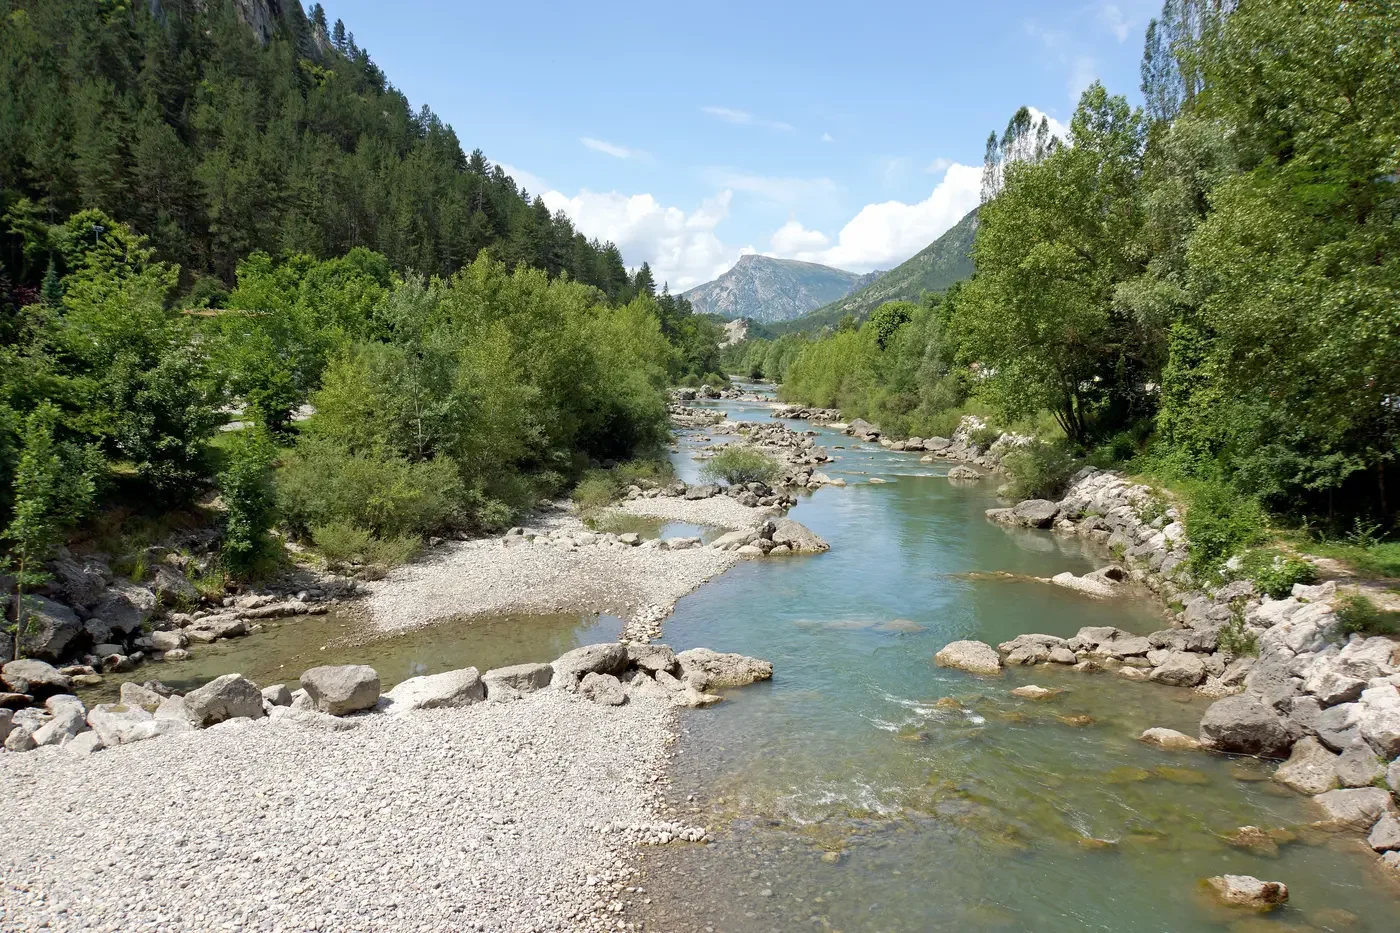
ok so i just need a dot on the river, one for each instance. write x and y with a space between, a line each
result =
866 789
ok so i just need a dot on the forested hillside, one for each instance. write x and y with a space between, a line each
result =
186 126
1208 287
935 268
237 268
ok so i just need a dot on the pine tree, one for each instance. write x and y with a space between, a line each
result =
52 290
318 18
643 282
338 37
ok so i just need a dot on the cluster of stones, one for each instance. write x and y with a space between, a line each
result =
803 413
753 495
608 674
572 539
773 538
961 446
711 392
100 623
687 417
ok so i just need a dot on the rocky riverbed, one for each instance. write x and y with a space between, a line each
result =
505 801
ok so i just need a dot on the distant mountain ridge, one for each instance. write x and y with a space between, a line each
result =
935 268
769 290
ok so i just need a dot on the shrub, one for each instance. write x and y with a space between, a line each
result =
1039 470
388 496
595 492
342 543
1356 614
249 503
1236 637
736 465
1275 572
1220 522
984 436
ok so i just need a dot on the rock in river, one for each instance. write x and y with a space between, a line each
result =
1246 726
976 657
1169 739
1358 807
1310 769
1248 891
798 537
340 689
705 669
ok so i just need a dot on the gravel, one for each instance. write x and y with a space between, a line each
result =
498 816
716 511
498 576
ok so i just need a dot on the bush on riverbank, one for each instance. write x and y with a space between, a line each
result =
1275 572
740 465
1358 615
1040 470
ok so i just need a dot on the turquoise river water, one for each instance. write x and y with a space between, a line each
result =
866 789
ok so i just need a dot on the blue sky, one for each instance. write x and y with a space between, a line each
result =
843 133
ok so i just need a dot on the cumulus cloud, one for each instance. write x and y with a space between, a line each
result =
826 138
681 247
1057 128
1114 19
527 180
744 118
612 149
883 235
940 164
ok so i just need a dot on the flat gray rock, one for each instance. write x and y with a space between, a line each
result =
341 689
438 691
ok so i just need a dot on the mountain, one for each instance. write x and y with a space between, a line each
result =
765 289
934 268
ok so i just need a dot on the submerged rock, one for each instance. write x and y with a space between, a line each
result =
1169 739
1034 692
1248 891
975 657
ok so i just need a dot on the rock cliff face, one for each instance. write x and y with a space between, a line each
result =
765 289
264 17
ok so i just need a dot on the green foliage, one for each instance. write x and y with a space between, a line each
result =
595 492
1040 470
54 486
738 465
249 502
1236 638
1358 615
1274 572
1220 523
985 436
342 544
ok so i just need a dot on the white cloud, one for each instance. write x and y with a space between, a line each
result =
939 164
744 118
527 180
826 138
787 192
681 247
1082 73
1115 21
1056 127
607 148
883 235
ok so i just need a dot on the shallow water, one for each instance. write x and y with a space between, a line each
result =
864 788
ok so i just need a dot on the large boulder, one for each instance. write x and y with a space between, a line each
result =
39 679
798 537
571 667
705 669
603 689
1035 513
653 658
1340 726
975 657
511 683
226 697
341 689
1358 766
863 429
78 581
1248 891
438 691
49 627
1380 719
1180 669
1385 835
1356 807
125 607
117 724
135 695
67 719
1310 769
173 588
1244 725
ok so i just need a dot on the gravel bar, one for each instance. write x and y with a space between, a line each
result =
716 511
487 818
461 579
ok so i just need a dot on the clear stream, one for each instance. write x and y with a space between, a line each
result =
866 789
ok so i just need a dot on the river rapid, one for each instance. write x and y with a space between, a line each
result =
864 788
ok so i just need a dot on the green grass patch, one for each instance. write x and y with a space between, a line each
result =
1357 615
737 465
